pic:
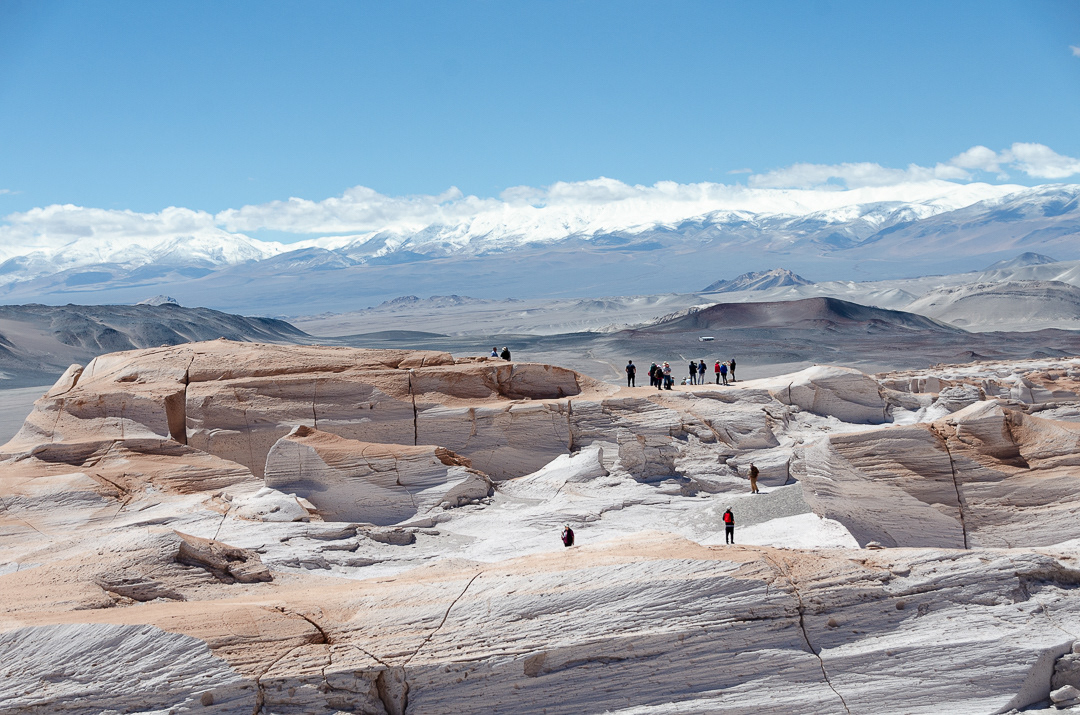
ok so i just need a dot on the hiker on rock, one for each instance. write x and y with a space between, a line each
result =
668 379
723 372
731 369
701 372
729 527
631 371
693 372
753 479
567 536
716 369
505 354
652 375
494 352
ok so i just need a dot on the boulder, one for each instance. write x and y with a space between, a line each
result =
227 563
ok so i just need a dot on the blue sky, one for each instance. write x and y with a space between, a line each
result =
137 105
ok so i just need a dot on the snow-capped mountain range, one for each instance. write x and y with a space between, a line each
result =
58 250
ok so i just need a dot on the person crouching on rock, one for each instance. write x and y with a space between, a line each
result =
567 536
729 527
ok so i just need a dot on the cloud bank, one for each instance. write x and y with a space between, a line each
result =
1036 161
556 211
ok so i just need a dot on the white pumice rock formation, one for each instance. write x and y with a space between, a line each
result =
348 480
235 528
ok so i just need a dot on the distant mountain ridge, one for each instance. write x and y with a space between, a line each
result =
758 280
37 342
557 251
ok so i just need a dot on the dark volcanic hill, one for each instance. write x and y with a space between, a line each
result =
829 314
38 342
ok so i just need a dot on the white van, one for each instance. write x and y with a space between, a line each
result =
706 339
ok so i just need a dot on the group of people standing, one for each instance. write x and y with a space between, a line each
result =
661 378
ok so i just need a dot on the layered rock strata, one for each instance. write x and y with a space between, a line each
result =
234 528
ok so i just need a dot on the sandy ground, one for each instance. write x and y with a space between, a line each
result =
15 405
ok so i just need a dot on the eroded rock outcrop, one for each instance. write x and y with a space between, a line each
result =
985 475
271 520
381 484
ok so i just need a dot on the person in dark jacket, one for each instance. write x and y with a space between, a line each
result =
567 536
631 371
693 373
723 372
729 527
731 365
505 354
652 375
701 372
753 479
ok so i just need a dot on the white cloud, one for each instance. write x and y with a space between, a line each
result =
1075 50
68 235
1036 160
852 175
978 157
358 209
1041 162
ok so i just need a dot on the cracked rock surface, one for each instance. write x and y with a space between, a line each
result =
236 528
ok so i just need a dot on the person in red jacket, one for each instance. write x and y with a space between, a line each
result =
729 527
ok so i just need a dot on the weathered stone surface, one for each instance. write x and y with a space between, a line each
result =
844 393
1067 671
480 606
983 476
381 484
235 400
225 562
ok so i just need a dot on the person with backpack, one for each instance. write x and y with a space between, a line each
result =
731 367
716 369
723 372
701 372
753 479
729 527
631 371
567 536
652 375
